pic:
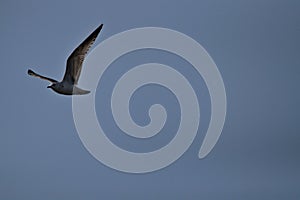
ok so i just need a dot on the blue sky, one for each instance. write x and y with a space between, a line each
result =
255 45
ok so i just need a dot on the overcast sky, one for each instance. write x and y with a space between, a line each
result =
256 47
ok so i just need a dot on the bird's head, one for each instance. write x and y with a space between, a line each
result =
51 86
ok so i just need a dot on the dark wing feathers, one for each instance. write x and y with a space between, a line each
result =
32 73
75 60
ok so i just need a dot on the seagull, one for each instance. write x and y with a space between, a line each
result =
68 86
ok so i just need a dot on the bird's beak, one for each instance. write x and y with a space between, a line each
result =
49 86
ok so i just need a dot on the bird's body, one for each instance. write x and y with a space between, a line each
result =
67 89
68 86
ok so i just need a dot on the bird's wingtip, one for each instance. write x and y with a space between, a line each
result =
30 72
100 27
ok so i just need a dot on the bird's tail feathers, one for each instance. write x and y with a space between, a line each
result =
79 91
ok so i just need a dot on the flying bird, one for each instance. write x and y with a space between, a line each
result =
68 86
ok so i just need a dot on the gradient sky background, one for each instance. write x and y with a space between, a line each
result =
256 47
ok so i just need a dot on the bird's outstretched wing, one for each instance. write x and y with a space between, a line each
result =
32 73
75 60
